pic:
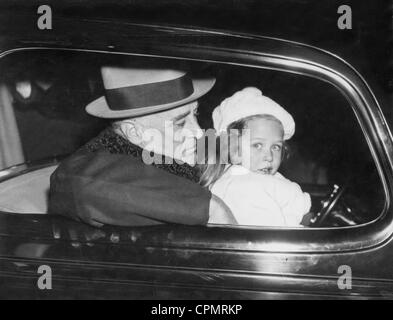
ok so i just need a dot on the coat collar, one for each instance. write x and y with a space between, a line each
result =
112 142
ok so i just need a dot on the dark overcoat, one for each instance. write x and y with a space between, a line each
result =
106 182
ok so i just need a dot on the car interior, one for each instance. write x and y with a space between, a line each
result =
42 100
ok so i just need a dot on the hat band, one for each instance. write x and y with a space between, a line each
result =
150 94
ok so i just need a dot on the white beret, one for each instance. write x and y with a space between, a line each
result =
250 102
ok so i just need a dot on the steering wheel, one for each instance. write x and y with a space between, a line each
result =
328 206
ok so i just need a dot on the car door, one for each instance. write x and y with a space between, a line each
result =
169 261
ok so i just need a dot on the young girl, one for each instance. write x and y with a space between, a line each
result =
250 184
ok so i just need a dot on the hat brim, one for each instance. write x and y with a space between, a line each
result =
99 107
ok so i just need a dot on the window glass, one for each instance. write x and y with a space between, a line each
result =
44 93
48 92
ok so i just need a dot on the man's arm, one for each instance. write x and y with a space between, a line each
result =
102 188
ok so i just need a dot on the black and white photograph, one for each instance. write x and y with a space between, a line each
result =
196 150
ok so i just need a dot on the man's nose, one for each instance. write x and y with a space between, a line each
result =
194 128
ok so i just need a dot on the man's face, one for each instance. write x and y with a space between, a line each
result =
175 132
266 143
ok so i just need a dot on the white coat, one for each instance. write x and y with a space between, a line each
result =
262 200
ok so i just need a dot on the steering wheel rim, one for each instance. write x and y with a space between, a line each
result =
328 205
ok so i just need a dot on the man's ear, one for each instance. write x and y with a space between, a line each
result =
235 148
131 130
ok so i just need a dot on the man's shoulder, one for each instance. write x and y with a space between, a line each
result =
111 152
112 142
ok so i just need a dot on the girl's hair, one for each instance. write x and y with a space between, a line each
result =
226 145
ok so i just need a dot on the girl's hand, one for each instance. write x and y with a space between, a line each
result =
219 212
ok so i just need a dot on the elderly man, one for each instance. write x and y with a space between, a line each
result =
141 170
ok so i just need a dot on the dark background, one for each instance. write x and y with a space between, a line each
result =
368 45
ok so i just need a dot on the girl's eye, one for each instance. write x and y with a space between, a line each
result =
257 146
276 147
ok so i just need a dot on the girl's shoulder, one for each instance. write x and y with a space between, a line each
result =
236 170
286 182
240 177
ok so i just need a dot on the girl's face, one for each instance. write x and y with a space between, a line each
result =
266 144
